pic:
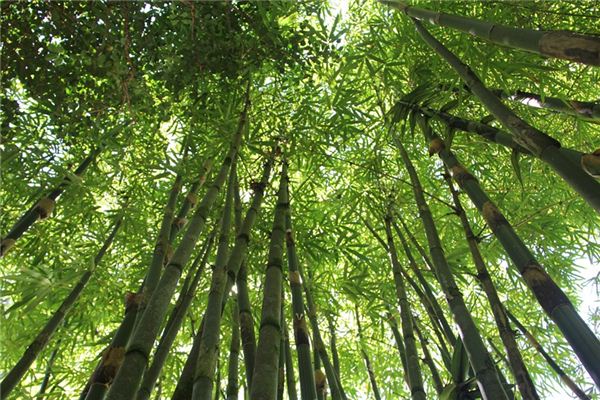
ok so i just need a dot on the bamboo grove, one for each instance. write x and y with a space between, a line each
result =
307 200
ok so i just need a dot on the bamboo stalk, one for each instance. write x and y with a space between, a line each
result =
483 366
113 355
190 200
282 355
234 354
552 299
208 355
289 366
428 302
415 378
427 290
562 44
44 206
127 380
174 324
185 383
399 343
301 334
536 345
14 376
516 363
365 356
333 346
265 375
538 143
435 375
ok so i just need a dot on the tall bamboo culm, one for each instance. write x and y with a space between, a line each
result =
14 376
266 365
516 363
127 380
415 378
538 143
483 365
365 356
43 208
536 345
112 356
208 355
174 324
301 334
552 299
557 44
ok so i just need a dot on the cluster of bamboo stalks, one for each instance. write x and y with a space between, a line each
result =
131 365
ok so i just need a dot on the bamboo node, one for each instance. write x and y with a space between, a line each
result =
6 245
295 278
180 222
320 380
45 207
570 46
492 215
192 199
436 145
168 253
133 299
548 294
461 174
591 163
289 236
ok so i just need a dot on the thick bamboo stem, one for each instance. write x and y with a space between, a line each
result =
127 380
170 334
538 143
266 365
301 334
567 45
552 299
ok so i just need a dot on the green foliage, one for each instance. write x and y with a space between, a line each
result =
139 77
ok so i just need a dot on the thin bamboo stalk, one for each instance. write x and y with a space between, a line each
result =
567 45
234 354
333 345
190 200
435 375
45 205
538 143
174 324
552 299
426 301
265 375
536 345
289 365
415 378
185 383
208 355
14 376
399 343
516 363
281 375
483 366
301 334
365 356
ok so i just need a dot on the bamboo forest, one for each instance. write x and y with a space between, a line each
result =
320 199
